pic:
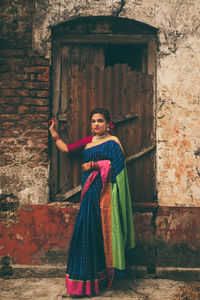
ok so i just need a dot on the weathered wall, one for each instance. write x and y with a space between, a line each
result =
40 234
24 99
177 237
25 51
178 169
25 92
37 234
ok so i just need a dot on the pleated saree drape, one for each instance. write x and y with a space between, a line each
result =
104 230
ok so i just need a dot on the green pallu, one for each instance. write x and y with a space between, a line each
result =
123 235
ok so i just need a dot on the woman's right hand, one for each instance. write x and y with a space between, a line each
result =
59 143
52 124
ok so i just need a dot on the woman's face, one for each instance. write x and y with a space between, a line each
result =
99 124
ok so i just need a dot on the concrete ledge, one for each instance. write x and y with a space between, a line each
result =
173 273
45 271
51 271
186 274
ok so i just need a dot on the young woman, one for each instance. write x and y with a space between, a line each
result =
103 232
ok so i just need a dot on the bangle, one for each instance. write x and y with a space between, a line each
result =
55 138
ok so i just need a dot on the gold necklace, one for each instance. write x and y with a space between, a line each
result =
99 137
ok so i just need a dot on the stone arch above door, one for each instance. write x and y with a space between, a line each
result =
51 13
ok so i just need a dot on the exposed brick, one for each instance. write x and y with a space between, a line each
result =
37 61
36 117
9 117
22 93
37 85
43 94
17 64
7 149
44 141
37 134
20 65
36 101
23 109
41 109
7 109
5 68
13 84
12 53
9 133
7 93
36 69
43 77
7 125
33 77
41 126
5 100
15 61
14 76
32 93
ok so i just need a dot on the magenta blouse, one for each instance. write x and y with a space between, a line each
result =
79 145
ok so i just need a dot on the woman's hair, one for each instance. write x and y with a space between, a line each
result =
102 111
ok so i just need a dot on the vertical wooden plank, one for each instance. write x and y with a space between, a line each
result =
137 109
109 91
65 77
125 108
76 130
98 87
91 86
117 76
83 103
131 90
56 57
152 51
63 182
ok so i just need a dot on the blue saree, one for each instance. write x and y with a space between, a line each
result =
104 230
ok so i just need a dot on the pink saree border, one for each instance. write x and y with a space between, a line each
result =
82 287
104 168
89 287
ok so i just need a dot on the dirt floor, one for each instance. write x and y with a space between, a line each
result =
138 289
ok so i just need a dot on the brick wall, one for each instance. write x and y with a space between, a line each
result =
26 220
24 98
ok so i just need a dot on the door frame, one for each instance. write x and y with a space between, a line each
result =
148 37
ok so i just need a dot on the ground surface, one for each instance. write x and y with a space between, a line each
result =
138 289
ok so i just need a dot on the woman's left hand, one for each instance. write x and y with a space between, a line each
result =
91 165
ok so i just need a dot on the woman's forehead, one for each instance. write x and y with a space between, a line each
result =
97 116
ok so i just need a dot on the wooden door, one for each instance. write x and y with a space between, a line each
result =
86 84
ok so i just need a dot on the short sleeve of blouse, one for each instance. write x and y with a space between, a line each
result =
79 145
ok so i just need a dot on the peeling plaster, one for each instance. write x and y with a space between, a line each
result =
49 13
29 184
178 83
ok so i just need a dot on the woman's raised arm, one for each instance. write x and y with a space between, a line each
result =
62 146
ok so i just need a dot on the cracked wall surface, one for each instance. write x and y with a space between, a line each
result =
25 91
167 236
178 66
51 12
